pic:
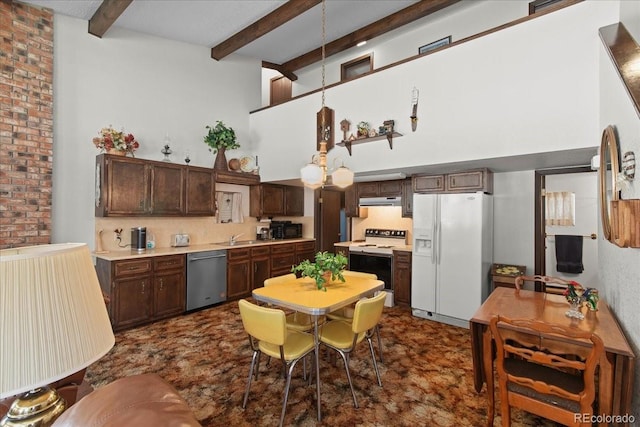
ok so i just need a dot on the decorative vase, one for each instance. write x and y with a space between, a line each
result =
115 152
574 308
220 163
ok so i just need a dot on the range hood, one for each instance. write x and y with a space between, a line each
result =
380 201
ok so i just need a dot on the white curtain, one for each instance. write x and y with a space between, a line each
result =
229 207
560 208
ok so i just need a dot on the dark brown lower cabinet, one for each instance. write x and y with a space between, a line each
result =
238 273
260 266
142 290
402 278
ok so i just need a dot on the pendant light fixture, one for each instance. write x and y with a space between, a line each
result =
314 175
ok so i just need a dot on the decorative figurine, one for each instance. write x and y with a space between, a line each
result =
414 109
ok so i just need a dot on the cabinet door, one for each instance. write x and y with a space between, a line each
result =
238 279
351 207
368 189
283 257
407 199
428 184
167 190
260 271
200 192
479 180
169 291
294 201
126 187
272 200
390 188
402 278
132 303
304 251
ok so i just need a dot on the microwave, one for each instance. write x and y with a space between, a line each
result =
286 230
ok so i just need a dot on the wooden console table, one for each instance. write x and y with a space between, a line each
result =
615 388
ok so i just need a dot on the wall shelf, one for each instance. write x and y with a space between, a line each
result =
389 137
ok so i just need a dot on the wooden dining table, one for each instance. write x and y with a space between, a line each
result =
615 386
302 295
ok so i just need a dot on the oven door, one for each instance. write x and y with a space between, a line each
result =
379 264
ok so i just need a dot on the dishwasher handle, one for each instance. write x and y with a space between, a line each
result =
207 257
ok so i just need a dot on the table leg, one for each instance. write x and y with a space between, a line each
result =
316 341
605 385
476 355
487 359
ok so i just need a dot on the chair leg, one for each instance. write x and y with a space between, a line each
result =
379 343
286 389
373 358
251 373
345 358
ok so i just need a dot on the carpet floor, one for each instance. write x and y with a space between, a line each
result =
426 375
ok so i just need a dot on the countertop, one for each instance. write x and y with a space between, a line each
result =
129 254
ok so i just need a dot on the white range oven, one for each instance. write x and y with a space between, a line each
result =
375 254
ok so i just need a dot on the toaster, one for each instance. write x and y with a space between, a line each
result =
180 240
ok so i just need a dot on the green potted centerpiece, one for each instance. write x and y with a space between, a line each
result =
220 138
327 267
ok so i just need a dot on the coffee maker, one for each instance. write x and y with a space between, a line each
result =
263 232
139 239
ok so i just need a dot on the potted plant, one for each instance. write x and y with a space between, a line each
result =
326 267
220 138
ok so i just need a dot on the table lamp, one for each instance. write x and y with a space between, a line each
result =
53 323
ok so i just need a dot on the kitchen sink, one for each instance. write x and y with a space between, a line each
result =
238 243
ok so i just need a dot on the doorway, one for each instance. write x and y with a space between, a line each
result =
581 183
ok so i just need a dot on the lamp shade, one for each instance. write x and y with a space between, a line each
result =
342 177
53 319
312 175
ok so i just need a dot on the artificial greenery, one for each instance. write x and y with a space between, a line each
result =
324 262
220 136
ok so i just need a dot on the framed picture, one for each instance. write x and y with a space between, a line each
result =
434 45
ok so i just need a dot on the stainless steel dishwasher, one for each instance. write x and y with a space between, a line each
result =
206 278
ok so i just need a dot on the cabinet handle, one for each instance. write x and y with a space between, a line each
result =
438 182
453 181
143 286
161 284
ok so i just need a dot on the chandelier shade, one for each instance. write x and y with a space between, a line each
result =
342 177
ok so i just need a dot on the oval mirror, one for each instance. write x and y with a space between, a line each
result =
607 176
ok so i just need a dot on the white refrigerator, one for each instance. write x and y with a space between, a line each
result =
452 255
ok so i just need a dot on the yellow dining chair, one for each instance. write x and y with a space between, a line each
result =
554 379
268 327
346 313
295 321
343 336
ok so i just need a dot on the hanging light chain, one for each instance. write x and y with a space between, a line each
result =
324 38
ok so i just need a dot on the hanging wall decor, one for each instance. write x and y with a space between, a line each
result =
414 109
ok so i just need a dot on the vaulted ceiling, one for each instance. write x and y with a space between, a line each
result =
285 35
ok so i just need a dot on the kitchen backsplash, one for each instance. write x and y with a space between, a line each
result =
385 217
202 230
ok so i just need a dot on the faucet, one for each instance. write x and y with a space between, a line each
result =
233 238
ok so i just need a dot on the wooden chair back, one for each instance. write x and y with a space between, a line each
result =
550 284
549 372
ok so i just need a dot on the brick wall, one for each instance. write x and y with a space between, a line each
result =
26 124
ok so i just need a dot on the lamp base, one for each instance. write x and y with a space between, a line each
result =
37 408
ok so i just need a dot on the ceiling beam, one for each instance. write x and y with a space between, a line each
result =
279 68
384 25
106 15
267 23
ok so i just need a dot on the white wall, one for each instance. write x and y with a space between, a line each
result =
458 21
471 107
151 87
620 267
513 219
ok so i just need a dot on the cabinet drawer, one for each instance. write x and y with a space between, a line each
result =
282 262
283 249
402 257
238 254
131 267
262 251
305 246
172 262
